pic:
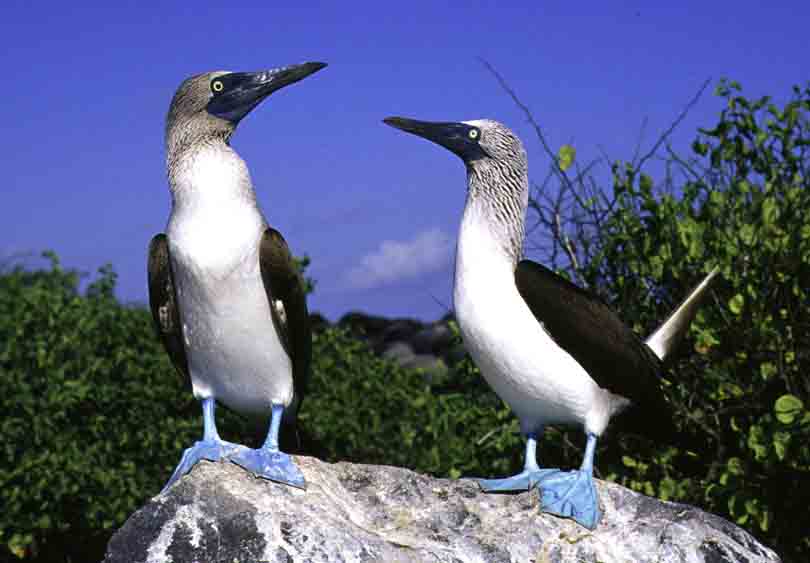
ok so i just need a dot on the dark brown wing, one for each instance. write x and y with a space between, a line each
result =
163 302
284 284
591 332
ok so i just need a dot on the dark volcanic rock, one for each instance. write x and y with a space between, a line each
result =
363 513
362 325
433 339
318 322
431 347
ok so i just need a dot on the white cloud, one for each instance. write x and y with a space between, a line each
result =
395 260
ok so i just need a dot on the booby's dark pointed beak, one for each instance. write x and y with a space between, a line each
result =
459 138
237 93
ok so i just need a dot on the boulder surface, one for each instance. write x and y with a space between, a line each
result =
365 513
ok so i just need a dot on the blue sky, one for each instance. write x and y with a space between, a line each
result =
87 85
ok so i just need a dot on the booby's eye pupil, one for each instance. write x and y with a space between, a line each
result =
473 134
217 86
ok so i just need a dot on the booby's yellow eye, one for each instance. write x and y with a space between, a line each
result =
217 86
473 134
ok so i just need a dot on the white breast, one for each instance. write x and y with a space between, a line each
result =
214 232
539 380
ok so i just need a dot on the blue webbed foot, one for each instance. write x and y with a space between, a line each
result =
523 481
212 449
526 479
271 464
268 461
571 495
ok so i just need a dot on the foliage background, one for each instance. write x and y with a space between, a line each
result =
94 419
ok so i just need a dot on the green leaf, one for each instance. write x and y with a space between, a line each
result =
700 148
770 211
787 408
735 466
757 442
747 234
645 183
566 157
765 520
668 489
780 444
767 370
735 304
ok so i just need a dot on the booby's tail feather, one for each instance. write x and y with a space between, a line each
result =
667 336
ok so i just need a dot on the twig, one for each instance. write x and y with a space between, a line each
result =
529 117
674 124
566 242
447 310
637 150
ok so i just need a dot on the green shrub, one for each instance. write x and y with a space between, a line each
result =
94 417
741 386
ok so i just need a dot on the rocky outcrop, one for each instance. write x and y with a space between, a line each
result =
363 513
412 344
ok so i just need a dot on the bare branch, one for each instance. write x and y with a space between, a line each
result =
530 118
638 165
641 131
566 242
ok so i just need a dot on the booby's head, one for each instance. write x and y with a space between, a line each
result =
497 171
213 103
478 143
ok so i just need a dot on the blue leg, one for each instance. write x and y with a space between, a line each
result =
573 494
526 479
211 447
268 461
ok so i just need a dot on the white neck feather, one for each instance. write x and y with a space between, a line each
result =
211 176
483 249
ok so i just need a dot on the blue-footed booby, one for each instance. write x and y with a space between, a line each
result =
555 353
226 297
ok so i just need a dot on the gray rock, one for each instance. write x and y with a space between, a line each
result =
400 329
400 352
363 513
403 354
